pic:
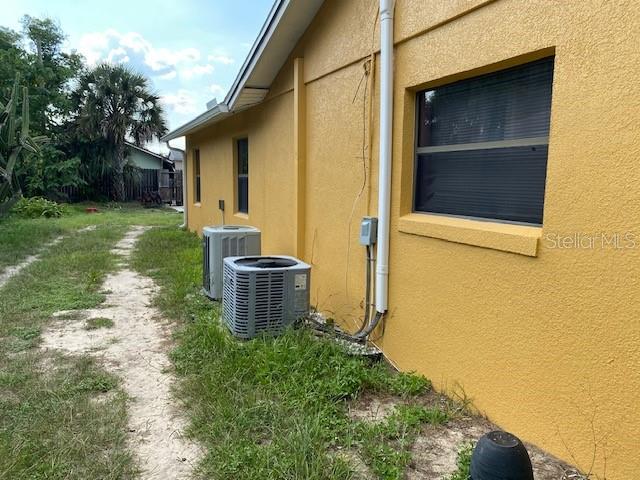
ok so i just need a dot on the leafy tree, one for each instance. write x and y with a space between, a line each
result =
114 103
47 173
36 55
12 58
8 38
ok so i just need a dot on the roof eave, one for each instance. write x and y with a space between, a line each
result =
144 150
242 93
197 123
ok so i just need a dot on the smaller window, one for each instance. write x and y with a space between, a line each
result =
196 174
242 152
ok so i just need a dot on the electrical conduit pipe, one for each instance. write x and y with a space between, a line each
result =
384 170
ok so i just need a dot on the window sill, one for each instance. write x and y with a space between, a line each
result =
244 216
519 239
197 204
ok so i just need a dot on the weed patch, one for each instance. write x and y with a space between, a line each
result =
100 322
386 445
463 463
35 207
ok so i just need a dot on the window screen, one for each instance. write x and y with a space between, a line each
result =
196 174
242 150
482 145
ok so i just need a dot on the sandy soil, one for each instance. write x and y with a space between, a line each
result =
135 348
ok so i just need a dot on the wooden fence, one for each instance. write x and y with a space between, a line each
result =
137 182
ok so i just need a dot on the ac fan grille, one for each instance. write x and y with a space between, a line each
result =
269 311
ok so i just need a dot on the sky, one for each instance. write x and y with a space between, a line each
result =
191 50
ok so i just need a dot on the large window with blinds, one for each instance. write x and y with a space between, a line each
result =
481 148
242 169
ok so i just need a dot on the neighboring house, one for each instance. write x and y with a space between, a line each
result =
514 240
147 160
176 156
158 173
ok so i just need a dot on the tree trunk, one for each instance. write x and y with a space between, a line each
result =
118 176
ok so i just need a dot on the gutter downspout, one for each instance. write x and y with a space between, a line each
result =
185 217
384 169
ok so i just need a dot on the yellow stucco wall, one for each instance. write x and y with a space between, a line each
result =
545 341
270 153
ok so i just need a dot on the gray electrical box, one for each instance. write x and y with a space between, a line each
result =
368 231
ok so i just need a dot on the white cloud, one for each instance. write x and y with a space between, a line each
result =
181 102
93 45
161 58
217 89
107 45
169 75
221 58
132 40
196 70
118 55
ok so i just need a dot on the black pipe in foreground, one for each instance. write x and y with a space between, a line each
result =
500 456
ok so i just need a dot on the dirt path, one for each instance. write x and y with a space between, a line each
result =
12 271
135 348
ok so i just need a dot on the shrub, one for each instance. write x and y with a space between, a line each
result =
35 207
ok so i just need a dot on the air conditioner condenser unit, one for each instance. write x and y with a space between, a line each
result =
263 295
223 241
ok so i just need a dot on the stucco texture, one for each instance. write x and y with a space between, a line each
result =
544 340
269 130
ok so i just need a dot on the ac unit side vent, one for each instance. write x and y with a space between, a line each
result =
206 263
220 242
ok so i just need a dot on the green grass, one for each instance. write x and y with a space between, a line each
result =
386 445
463 463
273 407
55 422
21 237
96 323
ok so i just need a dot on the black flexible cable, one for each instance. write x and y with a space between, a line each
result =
367 297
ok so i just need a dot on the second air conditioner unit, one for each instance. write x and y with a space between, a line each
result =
220 242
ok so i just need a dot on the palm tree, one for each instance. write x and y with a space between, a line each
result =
115 103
